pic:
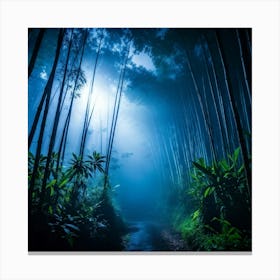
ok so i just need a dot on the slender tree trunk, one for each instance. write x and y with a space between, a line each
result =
40 106
195 125
62 146
221 102
37 116
207 114
68 81
47 93
55 125
248 87
236 117
35 51
89 114
115 117
223 140
206 120
248 40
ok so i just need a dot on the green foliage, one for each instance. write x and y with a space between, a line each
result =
95 162
192 233
221 219
64 227
80 171
64 186
41 167
83 169
78 167
208 191
229 239
70 225
203 237
195 214
71 218
224 181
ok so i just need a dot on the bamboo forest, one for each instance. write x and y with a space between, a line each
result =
139 139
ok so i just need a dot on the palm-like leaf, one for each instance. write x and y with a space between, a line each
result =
96 161
79 167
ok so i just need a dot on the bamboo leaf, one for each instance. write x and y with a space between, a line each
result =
236 154
241 169
72 226
210 228
52 191
65 181
50 184
208 191
195 214
50 210
201 162
67 230
224 165
203 169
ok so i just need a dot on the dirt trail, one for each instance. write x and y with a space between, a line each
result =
152 236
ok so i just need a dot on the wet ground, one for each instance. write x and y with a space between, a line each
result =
151 236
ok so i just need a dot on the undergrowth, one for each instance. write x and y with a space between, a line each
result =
221 216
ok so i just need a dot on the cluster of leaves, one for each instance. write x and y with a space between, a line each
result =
63 182
65 227
202 237
224 177
86 168
221 219
67 213
71 225
58 178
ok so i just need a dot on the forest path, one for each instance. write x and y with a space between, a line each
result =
151 236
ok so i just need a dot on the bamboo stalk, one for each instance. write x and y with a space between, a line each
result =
35 51
243 67
215 106
89 100
236 116
115 117
206 121
55 126
47 93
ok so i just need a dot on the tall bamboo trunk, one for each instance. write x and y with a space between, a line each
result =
221 102
247 84
63 142
55 126
207 114
218 116
40 107
236 117
35 51
115 117
248 41
205 119
88 113
47 93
